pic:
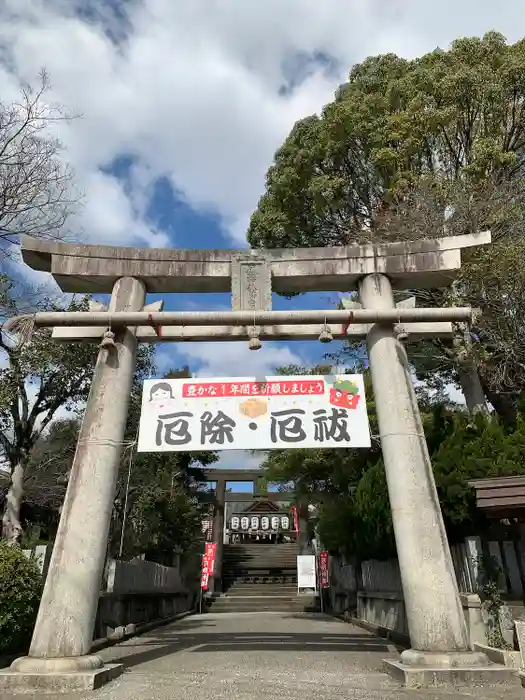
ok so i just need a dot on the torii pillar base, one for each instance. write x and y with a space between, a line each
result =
61 675
454 670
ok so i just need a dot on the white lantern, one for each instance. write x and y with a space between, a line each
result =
255 523
275 522
235 523
245 523
265 523
285 522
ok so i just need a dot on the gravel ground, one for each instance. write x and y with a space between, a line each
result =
262 656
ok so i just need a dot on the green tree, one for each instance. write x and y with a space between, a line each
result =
20 591
349 486
462 449
421 148
45 480
41 377
476 448
457 114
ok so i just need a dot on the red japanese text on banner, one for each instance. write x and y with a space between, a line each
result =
209 551
206 571
324 577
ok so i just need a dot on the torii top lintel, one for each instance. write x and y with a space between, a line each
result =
95 268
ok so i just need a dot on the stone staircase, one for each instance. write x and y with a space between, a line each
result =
261 578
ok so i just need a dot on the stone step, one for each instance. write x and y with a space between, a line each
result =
261 590
278 574
261 563
259 578
230 572
263 604
256 596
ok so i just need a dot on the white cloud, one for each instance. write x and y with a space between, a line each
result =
236 360
191 89
116 220
238 459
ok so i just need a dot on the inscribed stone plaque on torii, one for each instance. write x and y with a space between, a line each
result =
251 280
253 413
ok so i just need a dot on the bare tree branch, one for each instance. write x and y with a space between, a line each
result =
37 194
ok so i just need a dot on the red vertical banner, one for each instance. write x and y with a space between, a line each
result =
205 572
208 564
209 551
324 576
295 519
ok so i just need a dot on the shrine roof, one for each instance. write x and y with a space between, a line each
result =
501 497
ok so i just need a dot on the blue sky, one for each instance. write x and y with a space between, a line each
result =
185 227
182 106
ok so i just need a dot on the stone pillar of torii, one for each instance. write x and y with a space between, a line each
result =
62 639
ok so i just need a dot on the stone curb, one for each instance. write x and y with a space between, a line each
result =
136 630
103 642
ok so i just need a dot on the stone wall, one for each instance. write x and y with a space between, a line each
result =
373 593
137 593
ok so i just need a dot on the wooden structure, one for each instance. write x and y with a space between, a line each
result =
501 497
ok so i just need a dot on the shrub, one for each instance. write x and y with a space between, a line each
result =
20 592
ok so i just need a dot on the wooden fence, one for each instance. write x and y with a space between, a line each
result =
467 556
125 577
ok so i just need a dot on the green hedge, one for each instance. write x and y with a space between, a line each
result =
20 592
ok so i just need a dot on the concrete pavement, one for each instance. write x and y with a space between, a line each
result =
247 656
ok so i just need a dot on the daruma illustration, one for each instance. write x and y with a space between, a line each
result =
344 394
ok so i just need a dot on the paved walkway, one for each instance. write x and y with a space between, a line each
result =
262 656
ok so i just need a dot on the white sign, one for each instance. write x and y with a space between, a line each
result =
306 574
181 415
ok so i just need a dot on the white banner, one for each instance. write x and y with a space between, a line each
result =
181 415
306 574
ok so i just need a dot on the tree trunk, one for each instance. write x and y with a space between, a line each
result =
472 389
467 371
505 405
11 527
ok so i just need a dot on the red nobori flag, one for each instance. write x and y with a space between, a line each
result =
205 573
324 576
208 564
210 551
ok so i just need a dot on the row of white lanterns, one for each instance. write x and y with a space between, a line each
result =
254 523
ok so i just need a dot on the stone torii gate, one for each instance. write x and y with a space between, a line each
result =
59 656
